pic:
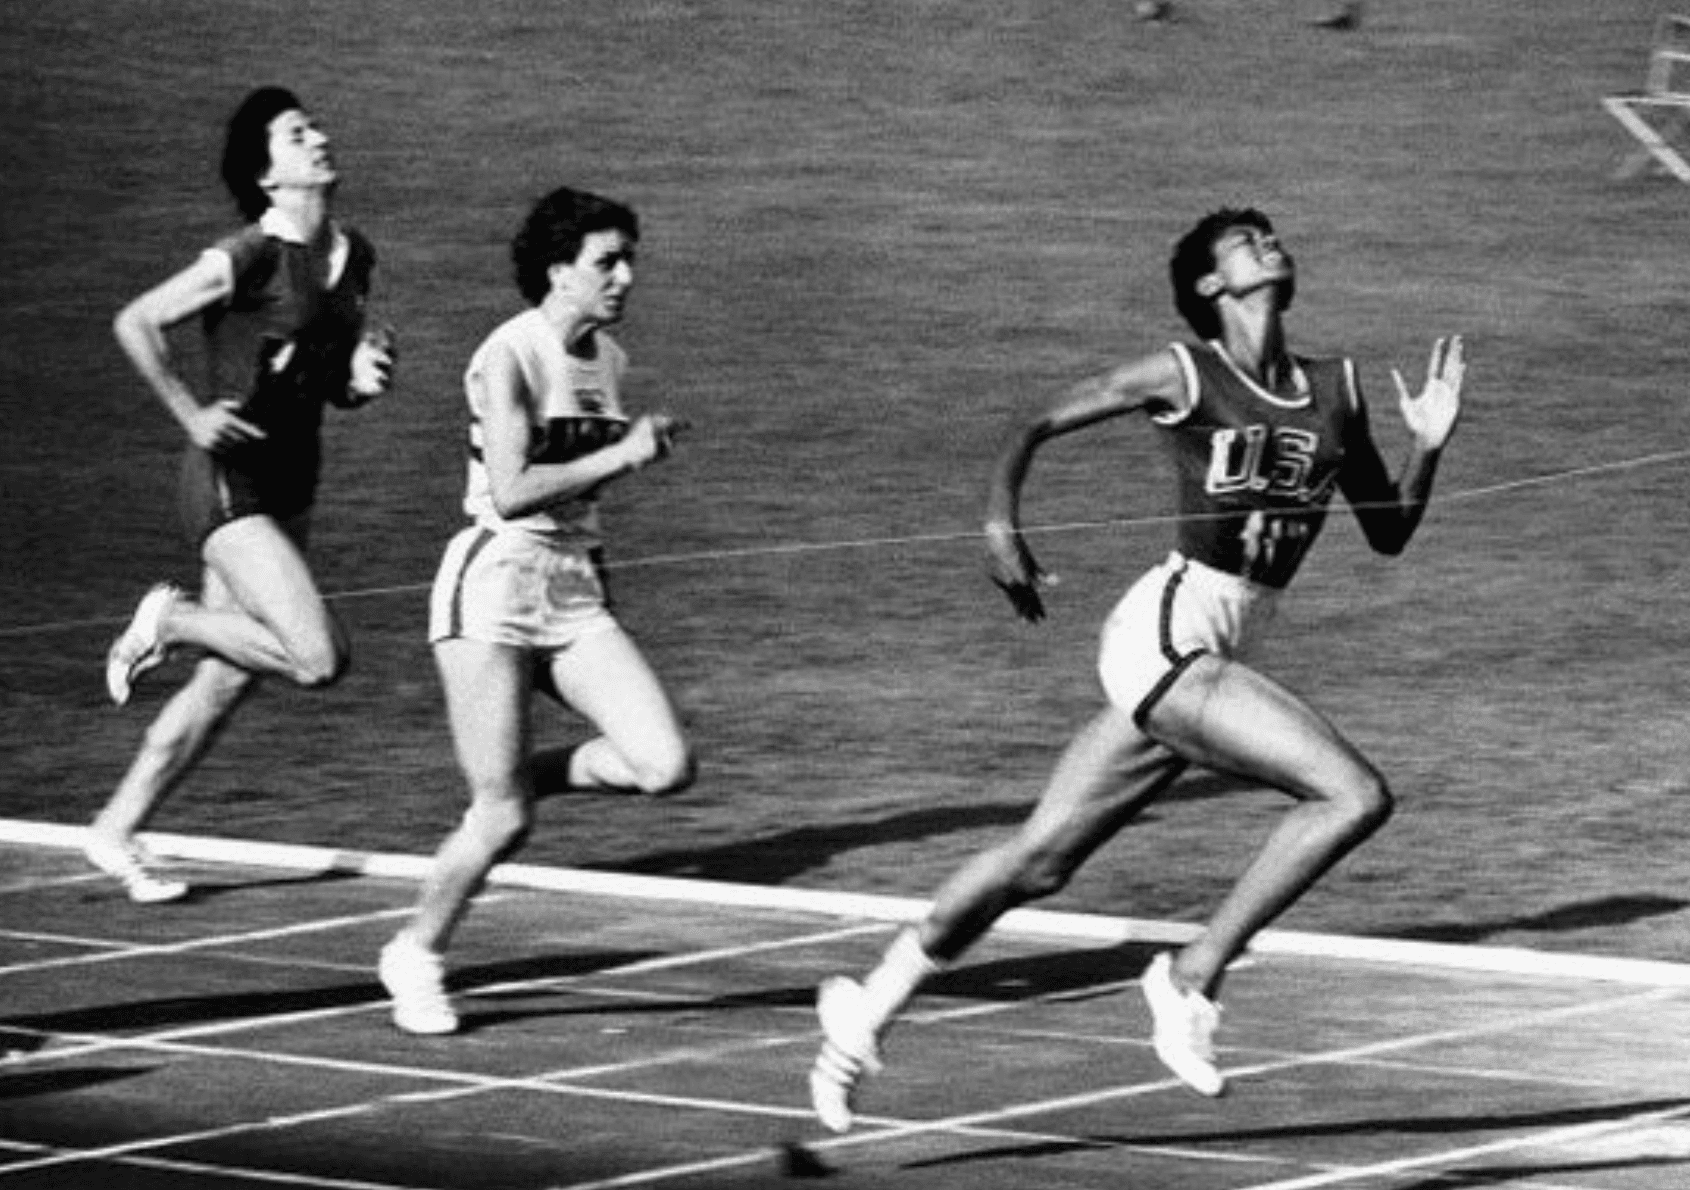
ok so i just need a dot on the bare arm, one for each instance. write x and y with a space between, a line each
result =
1390 510
1153 380
519 486
140 329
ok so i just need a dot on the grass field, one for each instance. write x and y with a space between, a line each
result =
874 232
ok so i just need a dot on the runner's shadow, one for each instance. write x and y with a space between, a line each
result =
1397 1125
202 890
1583 915
205 890
586 1003
12 1042
29 1083
1509 1175
1073 974
776 858
176 1011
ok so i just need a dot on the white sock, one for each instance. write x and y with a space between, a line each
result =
902 969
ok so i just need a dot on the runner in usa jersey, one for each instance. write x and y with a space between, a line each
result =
1256 467
1261 439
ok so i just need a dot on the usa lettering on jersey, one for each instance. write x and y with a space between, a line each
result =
1262 460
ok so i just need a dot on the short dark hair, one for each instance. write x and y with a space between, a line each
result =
246 147
1194 258
553 233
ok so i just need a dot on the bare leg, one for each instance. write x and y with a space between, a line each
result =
178 737
1226 716
640 746
173 744
275 621
1105 777
1107 774
487 695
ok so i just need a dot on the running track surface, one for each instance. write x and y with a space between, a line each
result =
240 1040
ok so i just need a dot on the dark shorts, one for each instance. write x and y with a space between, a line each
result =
215 490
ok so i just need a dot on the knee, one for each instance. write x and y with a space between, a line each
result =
1038 872
669 771
499 826
1366 803
321 664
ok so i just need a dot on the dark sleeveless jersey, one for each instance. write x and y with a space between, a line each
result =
281 344
1256 469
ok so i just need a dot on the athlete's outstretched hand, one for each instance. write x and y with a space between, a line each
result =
1431 416
1014 570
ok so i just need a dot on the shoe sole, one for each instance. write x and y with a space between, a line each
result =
120 677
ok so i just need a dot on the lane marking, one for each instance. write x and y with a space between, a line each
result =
882 1129
35 885
82 1044
1043 924
1553 1138
212 942
879 1129
178 1165
463 1083
65 940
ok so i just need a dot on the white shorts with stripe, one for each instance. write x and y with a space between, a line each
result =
1177 612
512 587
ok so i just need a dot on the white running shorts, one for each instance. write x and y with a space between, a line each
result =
516 588
1178 611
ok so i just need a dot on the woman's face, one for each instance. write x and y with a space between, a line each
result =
597 281
299 153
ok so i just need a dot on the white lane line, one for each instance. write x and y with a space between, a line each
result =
242 1172
35 885
463 1083
66 940
1554 1137
1046 924
883 1129
212 942
82 1044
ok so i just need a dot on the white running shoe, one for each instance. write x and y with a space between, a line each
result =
128 862
416 979
137 649
1184 1032
849 1051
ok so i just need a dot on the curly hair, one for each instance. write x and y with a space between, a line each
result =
1194 259
246 147
554 231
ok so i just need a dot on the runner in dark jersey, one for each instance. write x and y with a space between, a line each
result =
1260 439
282 307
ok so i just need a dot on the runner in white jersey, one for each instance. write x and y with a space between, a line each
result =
518 601
1260 439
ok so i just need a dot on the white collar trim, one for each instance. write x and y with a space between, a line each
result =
278 223
1299 380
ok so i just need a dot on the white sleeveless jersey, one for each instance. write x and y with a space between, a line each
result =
575 409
